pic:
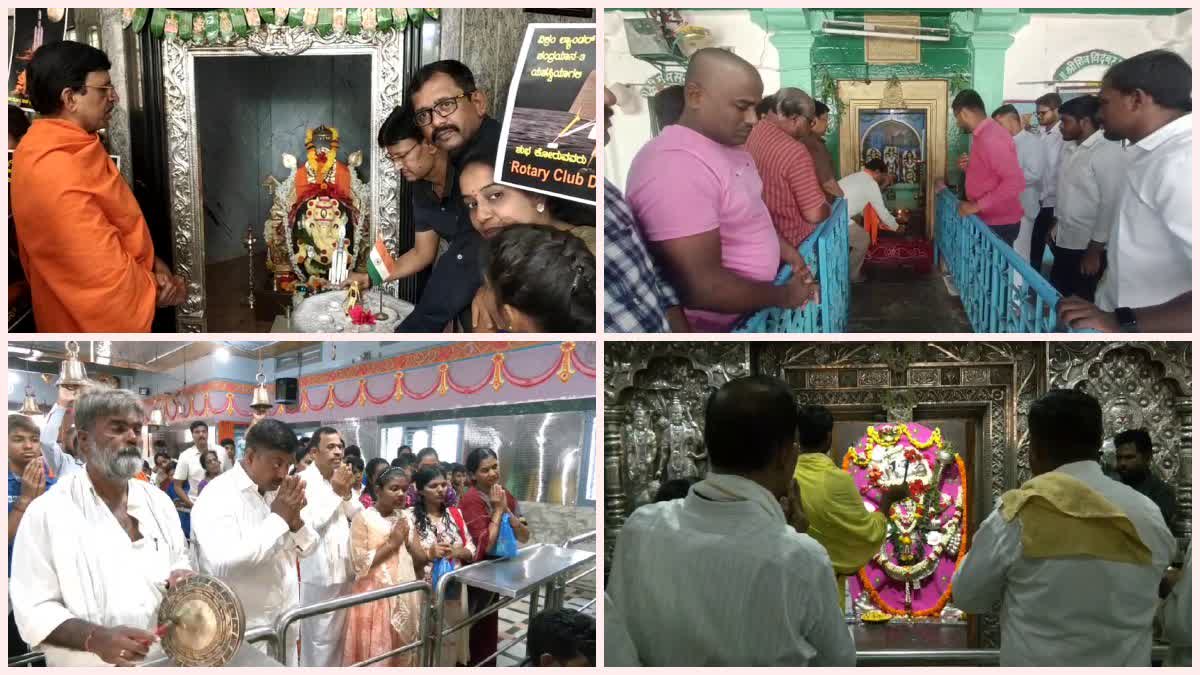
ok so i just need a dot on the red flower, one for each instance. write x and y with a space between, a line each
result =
360 316
917 488
912 455
321 157
873 475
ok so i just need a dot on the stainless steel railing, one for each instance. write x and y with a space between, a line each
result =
285 620
954 657
439 632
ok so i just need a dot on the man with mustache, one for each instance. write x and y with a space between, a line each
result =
327 574
1135 451
698 199
83 242
94 556
451 120
249 530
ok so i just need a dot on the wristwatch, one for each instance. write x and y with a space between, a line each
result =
1127 319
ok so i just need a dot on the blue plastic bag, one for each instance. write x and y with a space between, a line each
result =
506 542
443 566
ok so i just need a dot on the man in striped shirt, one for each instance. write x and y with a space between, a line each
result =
790 186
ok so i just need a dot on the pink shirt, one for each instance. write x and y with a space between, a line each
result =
682 184
994 177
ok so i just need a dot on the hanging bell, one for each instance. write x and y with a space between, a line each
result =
30 407
261 402
72 373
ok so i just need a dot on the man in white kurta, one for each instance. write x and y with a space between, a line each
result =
722 577
190 467
249 530
93 557
1077 608
326 574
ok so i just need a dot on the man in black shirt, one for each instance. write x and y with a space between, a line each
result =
450 119
1134 451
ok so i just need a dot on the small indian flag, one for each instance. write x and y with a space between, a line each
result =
380 264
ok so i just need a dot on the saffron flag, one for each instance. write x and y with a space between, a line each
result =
380 264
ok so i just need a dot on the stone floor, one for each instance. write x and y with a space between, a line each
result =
901 301
514 619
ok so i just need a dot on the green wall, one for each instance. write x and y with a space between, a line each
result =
839 57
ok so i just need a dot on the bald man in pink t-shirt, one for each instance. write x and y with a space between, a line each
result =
698 199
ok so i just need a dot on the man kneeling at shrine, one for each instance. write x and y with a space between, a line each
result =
1074 557
82 239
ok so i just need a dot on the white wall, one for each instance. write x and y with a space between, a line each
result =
1050 39
631 121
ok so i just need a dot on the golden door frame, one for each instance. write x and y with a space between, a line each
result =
930 96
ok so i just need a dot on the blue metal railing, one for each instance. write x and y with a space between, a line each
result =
827 253
1000 290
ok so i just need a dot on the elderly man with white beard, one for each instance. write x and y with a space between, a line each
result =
93 557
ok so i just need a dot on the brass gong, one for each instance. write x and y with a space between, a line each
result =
204 622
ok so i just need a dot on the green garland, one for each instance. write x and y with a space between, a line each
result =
223 26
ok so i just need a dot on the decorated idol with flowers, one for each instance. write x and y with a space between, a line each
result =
925 539
318 229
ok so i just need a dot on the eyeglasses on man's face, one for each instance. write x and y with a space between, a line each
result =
444 108
106 90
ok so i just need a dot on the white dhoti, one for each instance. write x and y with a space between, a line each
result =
322 636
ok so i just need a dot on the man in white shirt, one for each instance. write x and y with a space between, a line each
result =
1090 175
1052 144
228 454
860 189
94 556
326 574
1031 155
1062 565
723 577
250 532
190 467
1146 101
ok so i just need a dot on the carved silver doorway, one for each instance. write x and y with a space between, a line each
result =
386 53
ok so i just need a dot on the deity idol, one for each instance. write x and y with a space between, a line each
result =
926 535
682 451
317 231
641 448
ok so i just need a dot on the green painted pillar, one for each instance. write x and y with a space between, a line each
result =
992 33
793 31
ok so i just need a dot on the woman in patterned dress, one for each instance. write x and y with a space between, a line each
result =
383 553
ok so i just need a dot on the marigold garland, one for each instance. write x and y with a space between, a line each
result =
865 579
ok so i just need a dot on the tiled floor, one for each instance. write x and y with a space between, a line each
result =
514 619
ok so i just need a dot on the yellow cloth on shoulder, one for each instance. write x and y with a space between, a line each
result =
837 518
1061 517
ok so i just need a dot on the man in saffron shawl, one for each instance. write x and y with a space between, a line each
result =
82 240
